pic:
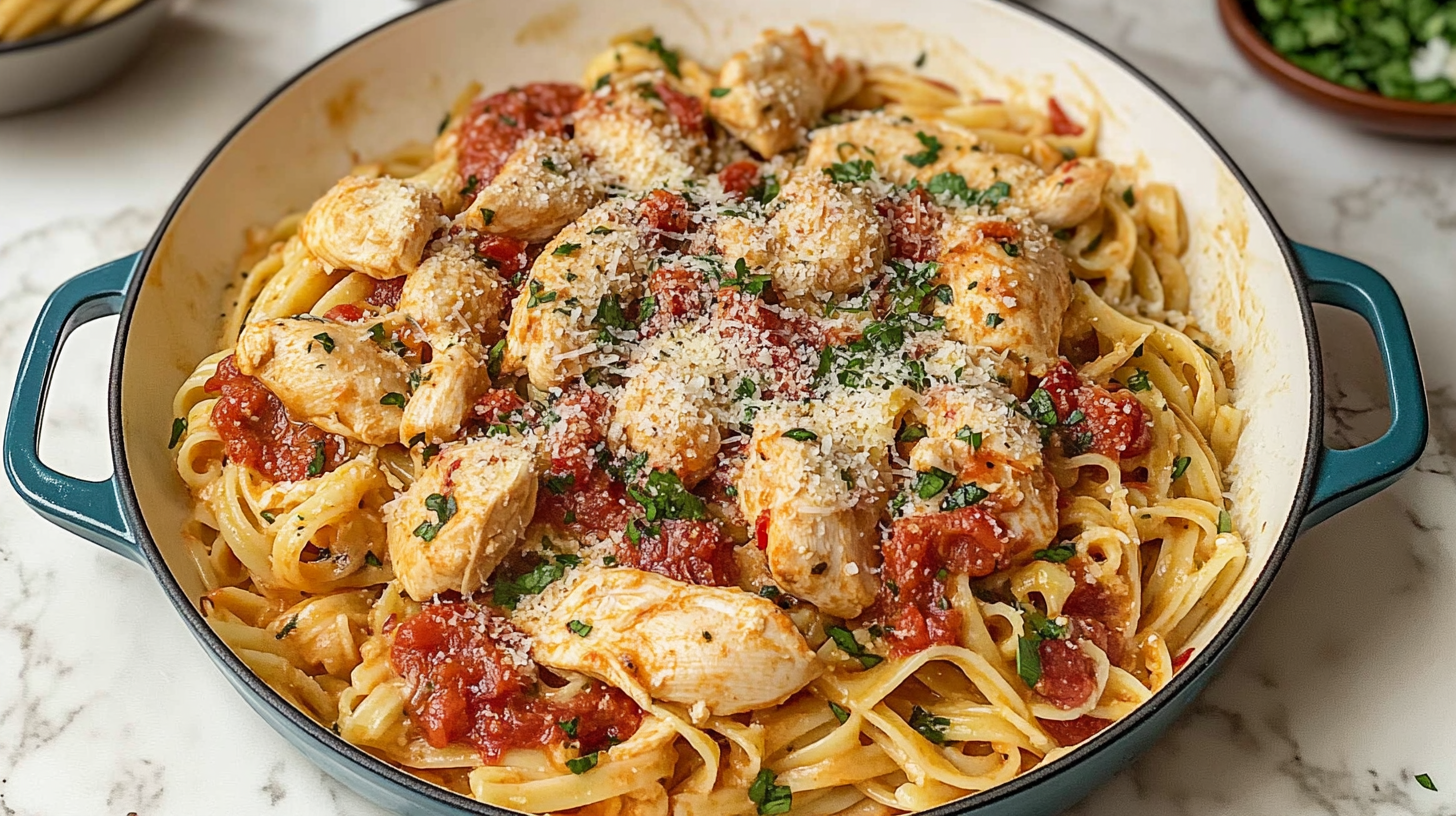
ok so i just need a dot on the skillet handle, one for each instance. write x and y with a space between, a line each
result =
91 510
1346 477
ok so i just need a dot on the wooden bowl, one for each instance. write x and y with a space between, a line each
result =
1363 109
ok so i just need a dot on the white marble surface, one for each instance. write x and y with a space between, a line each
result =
1334 700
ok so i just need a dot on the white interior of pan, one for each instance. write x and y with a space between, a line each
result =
394 86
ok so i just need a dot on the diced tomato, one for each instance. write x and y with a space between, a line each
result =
581 427
494 404
665 212
694 552
470 680
739 177
495 125
1068 675
791 345
1062 125
1182 659
259 432
1071 732
760 529
386 293
686 110
596 506
1114 422
679 295
914 221
345 313
507 255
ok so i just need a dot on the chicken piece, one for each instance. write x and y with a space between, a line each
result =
970 434
667 408
1009 286
449 386
821 473
544 185
378 226
1065 197
551 333
827 239
643 133
682 643
777 89
454 297
463 514
328 373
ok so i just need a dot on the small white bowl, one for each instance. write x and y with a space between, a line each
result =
51 68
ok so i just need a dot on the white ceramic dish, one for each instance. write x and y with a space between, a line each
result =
391 85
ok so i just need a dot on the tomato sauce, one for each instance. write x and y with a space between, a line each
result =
679 295
386 293
508 256
694 552
1115 424
914 226
1068 675
470 681
1071 732
686 110
739 177
789 344
345 313
258 431
913 601
499 406
597 506
582 425
665 215
495 125
1061 123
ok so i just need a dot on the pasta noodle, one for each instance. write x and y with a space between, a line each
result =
851 474
21 19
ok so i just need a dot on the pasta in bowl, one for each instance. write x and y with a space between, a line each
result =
793 433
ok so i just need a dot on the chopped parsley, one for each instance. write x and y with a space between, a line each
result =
920 60
1424 780
800 435
372 560
839 711
844 639
970 437
326 341
566 248
1011 249
392 398
559 484
770 798
663 496
267 517
578 628
602 82
1057 553
668 56
444 508
569 727
487 215
746 388
179 427
719 93
1138 381
851 171
1225 522
745 282
316 464
931 152
1028 660
386 341
493 360
1180 466
584 763
993 320
966 495
932 483
550 165
931 727
508 592
953 186
287 628
910 433
471 184
768 591
427 453
1128 198
537 295
765 190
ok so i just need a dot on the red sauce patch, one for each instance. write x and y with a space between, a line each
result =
760 529
694 552
665 215
1182 659
789 344
259 432
679 296
1068 676
686 110
1115 424
912 600
464 686
386 293
507 255
573 439
596 506
914 225
1062 125
739 177
1071 732
495 404
345 313
496 124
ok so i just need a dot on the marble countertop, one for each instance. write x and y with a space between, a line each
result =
1331 704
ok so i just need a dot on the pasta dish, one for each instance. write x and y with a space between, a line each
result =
796 435
22 19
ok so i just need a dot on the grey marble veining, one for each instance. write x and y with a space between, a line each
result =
1331 704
